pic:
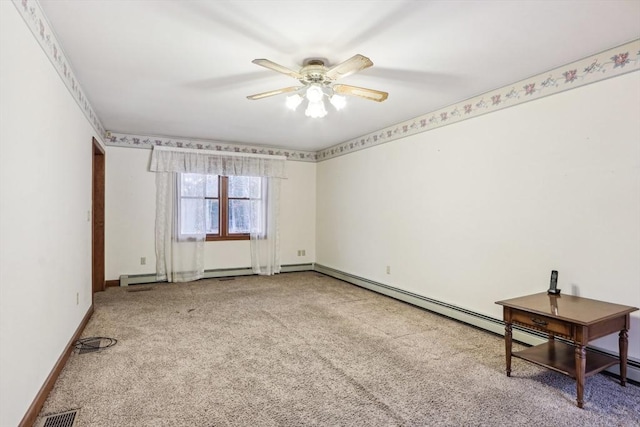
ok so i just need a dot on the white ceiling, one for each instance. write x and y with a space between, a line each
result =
183 68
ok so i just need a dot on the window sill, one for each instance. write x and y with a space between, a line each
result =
227 238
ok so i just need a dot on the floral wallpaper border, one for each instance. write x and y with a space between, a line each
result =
145 141
39 26
610 63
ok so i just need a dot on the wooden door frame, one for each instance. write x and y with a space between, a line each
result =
97 218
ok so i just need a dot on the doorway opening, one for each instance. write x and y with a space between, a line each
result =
97 223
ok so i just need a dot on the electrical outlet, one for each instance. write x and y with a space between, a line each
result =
143 260
388 269
77 298
304 252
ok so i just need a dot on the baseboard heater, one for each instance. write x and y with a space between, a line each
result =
466 316
138 279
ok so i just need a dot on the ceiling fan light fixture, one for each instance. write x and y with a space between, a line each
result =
316 109
293 101
338 101
318 81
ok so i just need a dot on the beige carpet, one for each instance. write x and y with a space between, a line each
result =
302 349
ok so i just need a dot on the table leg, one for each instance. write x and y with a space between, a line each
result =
508 345
623 343
581 364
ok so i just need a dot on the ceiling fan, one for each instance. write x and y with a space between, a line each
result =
318 81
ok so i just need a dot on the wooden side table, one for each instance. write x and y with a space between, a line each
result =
578 320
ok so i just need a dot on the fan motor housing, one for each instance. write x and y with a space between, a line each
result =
314 72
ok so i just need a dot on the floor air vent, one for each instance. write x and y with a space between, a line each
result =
65 419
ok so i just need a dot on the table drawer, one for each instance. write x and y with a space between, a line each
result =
541 323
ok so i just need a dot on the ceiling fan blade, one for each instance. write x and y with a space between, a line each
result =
274 92
370 94
277 67
352 65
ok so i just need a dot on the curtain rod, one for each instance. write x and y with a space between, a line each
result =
219 153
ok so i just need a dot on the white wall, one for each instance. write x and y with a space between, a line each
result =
45 194
130 217
484 209
130 200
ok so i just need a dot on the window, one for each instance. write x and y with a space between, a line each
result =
227 206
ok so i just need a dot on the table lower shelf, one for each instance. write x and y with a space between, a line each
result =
560 357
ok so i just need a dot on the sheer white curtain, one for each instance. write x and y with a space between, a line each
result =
265 232
180 253
182 160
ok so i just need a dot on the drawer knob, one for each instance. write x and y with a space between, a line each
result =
539 322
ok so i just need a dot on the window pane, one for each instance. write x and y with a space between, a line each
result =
191 216
212 185
255 190
239 216
192 185
213 217
244 186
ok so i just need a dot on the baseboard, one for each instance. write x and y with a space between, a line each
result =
32 413
111 283
135 279
469 317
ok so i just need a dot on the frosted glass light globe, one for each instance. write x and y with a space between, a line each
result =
314 93
316 110
338 101
293 101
